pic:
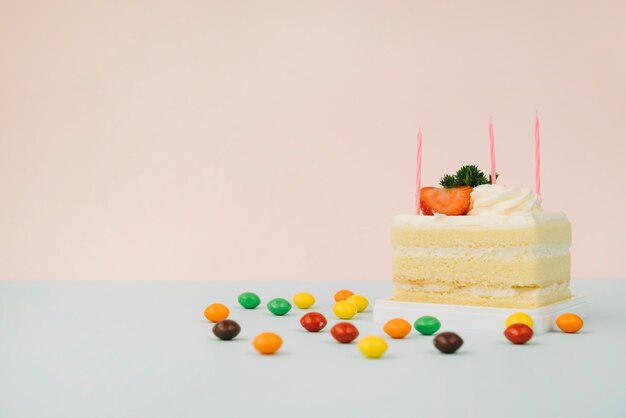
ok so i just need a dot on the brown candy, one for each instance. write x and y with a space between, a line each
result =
448 342
226 329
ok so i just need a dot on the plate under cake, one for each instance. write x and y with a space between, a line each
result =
520 260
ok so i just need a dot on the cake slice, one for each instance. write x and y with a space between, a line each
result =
483 244
516 260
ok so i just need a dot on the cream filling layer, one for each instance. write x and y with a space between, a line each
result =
529 251
515 220
508 292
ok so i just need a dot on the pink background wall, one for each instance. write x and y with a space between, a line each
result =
276 139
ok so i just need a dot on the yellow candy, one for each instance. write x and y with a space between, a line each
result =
360 301
303 300
372 346
519 318
344 309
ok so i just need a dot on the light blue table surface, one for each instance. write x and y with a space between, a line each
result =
143 349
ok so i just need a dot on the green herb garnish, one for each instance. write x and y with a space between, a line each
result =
468 175
448 181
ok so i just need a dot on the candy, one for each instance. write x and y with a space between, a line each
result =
226 329
428 325
279 306
343 295
249 300
518 333
519 318
267 342
448 342
397 328
344 309
216 312
360 301
372 346
313 321
570 323
303 300
344 332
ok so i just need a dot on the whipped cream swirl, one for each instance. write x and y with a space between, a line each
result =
497 199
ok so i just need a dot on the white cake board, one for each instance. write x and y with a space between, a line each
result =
478 318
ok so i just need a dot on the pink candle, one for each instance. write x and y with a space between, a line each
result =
419 171
537 158
492 150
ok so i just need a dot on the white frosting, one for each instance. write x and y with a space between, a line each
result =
497 199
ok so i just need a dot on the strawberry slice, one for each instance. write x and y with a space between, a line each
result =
452 201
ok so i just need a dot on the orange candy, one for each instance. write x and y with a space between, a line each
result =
343 295
267 342
570 323
397 328
216 312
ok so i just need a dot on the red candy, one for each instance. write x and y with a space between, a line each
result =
344 332
313 321
518 333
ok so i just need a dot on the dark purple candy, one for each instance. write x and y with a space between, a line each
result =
448 342
226 329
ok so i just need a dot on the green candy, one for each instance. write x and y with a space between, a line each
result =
279 306
249 300
427 325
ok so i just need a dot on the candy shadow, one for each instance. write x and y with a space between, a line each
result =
287 315
279 354
215 339
303 331
337 343
530 343
384 357
408 338
242 309
461 353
